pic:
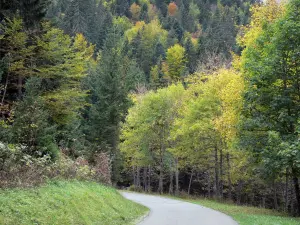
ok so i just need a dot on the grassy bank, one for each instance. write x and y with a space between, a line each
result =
63 202
249 215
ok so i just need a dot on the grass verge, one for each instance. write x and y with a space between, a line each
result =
246 215
70 203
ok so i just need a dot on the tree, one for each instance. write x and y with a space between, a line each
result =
64 64
148 125
172 8
16 55
149 39
31 126
109 85
31 11
176 62
121 7
271 68
191 54
135 11
78 16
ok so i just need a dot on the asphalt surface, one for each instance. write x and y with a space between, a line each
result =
165 211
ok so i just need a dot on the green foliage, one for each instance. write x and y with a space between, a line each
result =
31 127
176 62
16 56
64 65
110 83
148 124
271 104
32 11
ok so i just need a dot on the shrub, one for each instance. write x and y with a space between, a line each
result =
135 188
18 169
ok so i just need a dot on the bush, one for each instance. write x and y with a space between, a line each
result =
135 188
18 169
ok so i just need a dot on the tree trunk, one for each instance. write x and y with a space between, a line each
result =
176 177
275 196
263 202
208 184
160 183
138 177
190 183
149 178
239 192
286 202
134 177
229 177
145 178
221 174
171 188
216 183
5 88
161 170
297 191
20 85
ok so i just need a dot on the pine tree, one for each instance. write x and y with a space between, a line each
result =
110 83
191 53
31 11
78 16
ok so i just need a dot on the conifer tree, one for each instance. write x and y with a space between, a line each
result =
31 11
110 83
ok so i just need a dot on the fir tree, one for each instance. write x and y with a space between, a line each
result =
31 11
110 83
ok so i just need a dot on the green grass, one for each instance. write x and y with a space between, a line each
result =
62 202
245 215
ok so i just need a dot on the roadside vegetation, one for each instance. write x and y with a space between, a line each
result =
246 215
67 202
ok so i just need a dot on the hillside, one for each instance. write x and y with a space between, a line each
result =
64 203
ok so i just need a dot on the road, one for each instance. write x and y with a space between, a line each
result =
165 211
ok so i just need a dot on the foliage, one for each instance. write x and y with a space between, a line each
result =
172 8
31 127
68 65
175 62
32 11
135 11
272 81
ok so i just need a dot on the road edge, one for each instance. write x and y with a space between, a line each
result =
142 218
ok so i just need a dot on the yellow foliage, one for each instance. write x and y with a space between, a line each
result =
176 61
261 14
135 11
132 33
152 12
151 32
230 93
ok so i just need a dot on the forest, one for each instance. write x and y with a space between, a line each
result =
185 97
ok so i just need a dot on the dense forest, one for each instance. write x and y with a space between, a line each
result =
186 96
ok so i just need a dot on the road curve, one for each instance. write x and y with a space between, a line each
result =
165 211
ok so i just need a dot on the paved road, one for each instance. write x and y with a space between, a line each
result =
164 211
